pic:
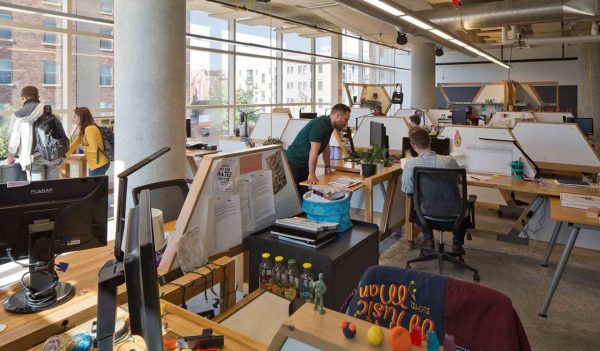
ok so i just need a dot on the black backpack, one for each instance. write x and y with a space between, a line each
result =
50 138
108 139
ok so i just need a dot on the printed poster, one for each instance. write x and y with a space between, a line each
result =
226 176
275 164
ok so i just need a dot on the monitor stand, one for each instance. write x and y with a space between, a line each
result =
44 290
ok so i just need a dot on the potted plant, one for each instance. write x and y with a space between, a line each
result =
378 156
272 141
367 163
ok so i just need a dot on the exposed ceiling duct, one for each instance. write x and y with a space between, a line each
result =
503 13
547 41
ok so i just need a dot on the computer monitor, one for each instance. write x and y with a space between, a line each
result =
585 124
459 117
378 134
308 115
188 128
140 275
440 146
41 220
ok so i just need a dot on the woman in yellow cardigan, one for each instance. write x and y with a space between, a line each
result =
89 136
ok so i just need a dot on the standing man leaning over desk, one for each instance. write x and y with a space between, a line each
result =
312 141
419 139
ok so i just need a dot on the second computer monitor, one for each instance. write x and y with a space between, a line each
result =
459 117
440 146
585 124
378 134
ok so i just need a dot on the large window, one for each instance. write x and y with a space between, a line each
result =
49 37
5 33
106 76
50 73
6 72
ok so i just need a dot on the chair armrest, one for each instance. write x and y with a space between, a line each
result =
472 198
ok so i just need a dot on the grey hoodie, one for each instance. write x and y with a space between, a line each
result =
21 139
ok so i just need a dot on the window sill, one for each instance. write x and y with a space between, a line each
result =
7 85
3 40
57 4
106 86
51 44
51 85
105 13
107 50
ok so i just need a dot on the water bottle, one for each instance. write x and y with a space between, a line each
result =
306 278
278 276
292 280
266 272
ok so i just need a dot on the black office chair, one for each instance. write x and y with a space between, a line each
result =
440 202
167 196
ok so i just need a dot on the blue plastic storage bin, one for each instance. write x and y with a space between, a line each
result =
332 211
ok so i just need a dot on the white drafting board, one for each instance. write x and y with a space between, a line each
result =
493 92
395 127
287 202
561 143
404 112
434 114
551 117
484 156
355 114
508 119
270 125
294 126
231 145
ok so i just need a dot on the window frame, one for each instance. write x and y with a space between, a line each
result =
100 67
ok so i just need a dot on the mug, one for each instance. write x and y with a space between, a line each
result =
158 228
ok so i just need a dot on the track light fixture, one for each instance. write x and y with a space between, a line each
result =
439 51
401 39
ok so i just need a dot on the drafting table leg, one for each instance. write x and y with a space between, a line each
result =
387 204
193 165
559 271
551 243
369 202
228 286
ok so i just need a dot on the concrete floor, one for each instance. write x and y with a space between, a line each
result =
515 270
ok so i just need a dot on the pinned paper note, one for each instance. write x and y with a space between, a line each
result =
225 224
226 175
275 164
250 163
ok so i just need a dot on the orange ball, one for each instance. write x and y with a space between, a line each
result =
399 339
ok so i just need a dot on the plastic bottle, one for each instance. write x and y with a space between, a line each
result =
266 272
433 344
292 280
305 281
278 276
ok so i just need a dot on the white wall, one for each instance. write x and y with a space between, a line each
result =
565 72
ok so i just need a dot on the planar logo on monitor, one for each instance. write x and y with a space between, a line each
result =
41 191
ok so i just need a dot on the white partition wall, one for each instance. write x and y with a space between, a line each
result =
557 143
396 128
270 125
509 119
404 112
356 114
551 117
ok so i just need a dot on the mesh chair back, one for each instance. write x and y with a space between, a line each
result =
167 196
440 194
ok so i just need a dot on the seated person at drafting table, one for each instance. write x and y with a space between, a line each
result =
414 121
419 139
312 141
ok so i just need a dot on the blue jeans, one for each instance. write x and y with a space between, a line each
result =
99 171
457 239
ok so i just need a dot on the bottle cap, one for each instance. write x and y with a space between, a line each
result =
266 255
307 265
291 261
278 258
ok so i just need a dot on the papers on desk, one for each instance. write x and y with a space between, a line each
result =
343 182
579 201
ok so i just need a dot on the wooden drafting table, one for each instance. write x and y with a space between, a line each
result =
390 174
561 215
26 330
181 322
190 155
508 184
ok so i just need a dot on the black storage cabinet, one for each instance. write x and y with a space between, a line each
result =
341 261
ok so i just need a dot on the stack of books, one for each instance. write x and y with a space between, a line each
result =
343 182
304 231
579 201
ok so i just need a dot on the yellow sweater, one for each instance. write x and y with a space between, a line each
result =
92 147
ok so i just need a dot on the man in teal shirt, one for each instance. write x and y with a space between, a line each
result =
312 141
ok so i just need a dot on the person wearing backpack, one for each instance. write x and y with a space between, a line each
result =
90 137
22 140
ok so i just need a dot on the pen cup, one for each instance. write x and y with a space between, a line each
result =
517 169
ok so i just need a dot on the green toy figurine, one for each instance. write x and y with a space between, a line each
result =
320 289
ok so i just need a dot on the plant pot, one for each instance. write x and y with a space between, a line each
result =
368 169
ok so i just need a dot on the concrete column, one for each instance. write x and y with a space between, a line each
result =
588 88
149 88
422 76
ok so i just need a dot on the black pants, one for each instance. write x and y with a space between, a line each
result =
300 175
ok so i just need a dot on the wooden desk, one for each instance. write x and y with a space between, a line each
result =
191 154
26 330
181 322
389 174
507 184
341 165
579 220
78 160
